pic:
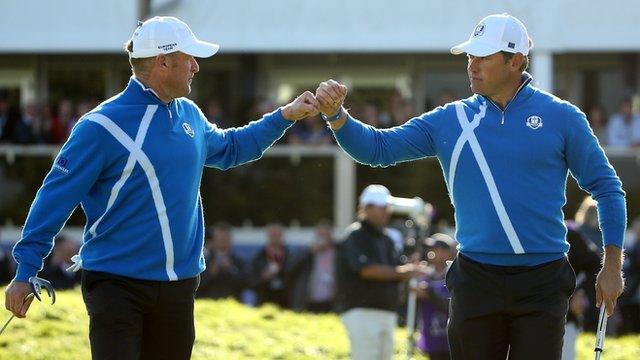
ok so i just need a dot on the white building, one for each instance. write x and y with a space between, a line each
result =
586 51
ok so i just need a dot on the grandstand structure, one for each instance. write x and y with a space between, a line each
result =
272 50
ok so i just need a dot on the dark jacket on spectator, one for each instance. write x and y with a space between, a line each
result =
6 267
219 282
584 258
57 274
276 290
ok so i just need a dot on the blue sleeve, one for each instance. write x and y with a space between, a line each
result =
74 171
591 168
385 147
232 147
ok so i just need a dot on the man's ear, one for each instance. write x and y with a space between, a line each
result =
162 61
517 61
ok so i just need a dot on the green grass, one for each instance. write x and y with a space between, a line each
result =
224 330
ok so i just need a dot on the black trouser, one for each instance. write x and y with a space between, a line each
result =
514 310
133 319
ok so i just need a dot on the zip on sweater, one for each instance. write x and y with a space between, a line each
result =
169 110
152 92
503 111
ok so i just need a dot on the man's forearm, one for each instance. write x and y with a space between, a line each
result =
613 258
386 273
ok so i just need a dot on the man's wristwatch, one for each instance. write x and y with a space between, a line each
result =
333 117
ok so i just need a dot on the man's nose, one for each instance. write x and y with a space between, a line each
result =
473 64
195 67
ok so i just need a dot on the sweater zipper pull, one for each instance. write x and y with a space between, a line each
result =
169 111
502 122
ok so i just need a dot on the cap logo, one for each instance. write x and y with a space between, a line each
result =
479 30
534 122
187 128
511 45
167 47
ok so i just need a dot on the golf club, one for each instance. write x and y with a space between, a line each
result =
37 284
601 331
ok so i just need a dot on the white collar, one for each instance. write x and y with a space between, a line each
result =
135 79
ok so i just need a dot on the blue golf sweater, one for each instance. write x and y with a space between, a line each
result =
134 163
506 171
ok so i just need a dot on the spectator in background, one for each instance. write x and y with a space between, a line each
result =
371 114
314 286
81 109
434 298
5 123
409 112
55 268
585 260
368 272
215 114
224 275
587 221
259 106
623 130
60 122
312 131
446 96
23 129
269 269
597 120
397 109
630 299
42 127
6 266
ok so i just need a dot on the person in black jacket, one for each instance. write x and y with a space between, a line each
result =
368 272
630 300
225 275
55 268
585 260
270 269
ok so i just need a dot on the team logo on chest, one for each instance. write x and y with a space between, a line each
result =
534 122
187 128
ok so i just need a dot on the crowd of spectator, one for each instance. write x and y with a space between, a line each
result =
301 278
40 124
51 124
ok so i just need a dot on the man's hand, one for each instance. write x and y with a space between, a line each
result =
609 282
270 271
330 95
17 299
302 107
409 271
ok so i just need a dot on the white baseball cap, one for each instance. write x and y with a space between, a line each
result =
167 34
377 195
494 33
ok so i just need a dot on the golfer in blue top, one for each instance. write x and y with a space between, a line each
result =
135 163
505 153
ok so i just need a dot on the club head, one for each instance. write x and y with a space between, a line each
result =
37 284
